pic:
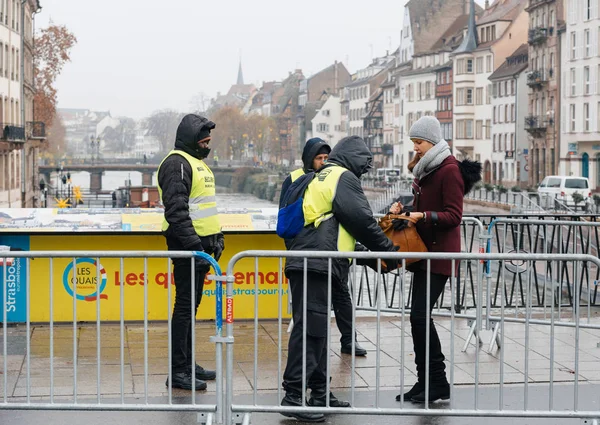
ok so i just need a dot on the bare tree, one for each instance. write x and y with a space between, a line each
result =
56 134
51 52
162 125
122 137
200 103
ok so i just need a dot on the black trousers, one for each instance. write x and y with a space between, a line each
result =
183 322
316 322
418 322
342 307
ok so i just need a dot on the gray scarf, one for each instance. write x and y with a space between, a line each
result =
432 159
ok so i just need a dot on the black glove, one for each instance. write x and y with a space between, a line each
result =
201 263
392 264
219 247
399 224
372 264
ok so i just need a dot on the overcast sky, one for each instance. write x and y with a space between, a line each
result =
137 56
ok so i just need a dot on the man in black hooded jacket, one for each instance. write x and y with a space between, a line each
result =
187 190
314 156
338 215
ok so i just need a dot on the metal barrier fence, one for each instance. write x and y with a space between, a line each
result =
547 237
537 233
229 407
531 202
105 357
552 407
474 238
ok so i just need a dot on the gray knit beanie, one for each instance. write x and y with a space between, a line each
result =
427 128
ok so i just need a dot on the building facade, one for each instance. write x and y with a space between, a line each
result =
418 88
390 123
315 90
327 123
366 82
488 42
444 99
21 137
509 139
543 118
580 138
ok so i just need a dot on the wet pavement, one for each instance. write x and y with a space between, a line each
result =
130 379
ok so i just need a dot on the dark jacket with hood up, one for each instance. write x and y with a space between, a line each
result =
350 208
175 180
311 149
440 195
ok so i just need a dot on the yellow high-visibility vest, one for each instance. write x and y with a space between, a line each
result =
318 202
296 174
203 201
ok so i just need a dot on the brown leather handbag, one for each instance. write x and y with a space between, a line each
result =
407 239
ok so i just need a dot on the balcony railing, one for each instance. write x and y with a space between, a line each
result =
538 77
12 133
35 130
535 124
533 3
539 35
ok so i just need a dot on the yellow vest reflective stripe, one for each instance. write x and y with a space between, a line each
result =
202 202
318 202
296 174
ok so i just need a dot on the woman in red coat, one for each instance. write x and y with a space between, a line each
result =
439 187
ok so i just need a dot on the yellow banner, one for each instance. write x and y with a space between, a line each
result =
111 277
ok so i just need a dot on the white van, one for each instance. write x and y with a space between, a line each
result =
563 188
388 175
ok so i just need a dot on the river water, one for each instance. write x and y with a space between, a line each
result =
113 180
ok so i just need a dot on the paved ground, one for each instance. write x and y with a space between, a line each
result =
268 379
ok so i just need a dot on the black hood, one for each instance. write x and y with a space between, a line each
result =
188 133
311 149
353 154
471 173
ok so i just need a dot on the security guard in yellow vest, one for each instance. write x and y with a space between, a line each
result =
187 190
337 215
314 156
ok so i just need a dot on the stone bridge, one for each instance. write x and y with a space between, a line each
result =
223 175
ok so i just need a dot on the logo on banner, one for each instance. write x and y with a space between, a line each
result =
85 279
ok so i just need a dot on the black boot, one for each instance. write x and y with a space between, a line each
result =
437 391
318 399
183 380
416 389
205 374
358 350
294 400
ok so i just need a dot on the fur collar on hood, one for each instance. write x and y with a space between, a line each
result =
471 173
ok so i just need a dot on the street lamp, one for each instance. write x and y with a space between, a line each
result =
95 147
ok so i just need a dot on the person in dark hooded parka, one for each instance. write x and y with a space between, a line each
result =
314 156
191 223
337 216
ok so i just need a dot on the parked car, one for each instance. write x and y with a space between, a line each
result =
562 189
387 175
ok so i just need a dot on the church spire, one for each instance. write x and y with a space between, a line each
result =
470 42
240 79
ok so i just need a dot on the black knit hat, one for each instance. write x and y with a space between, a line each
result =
203 133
